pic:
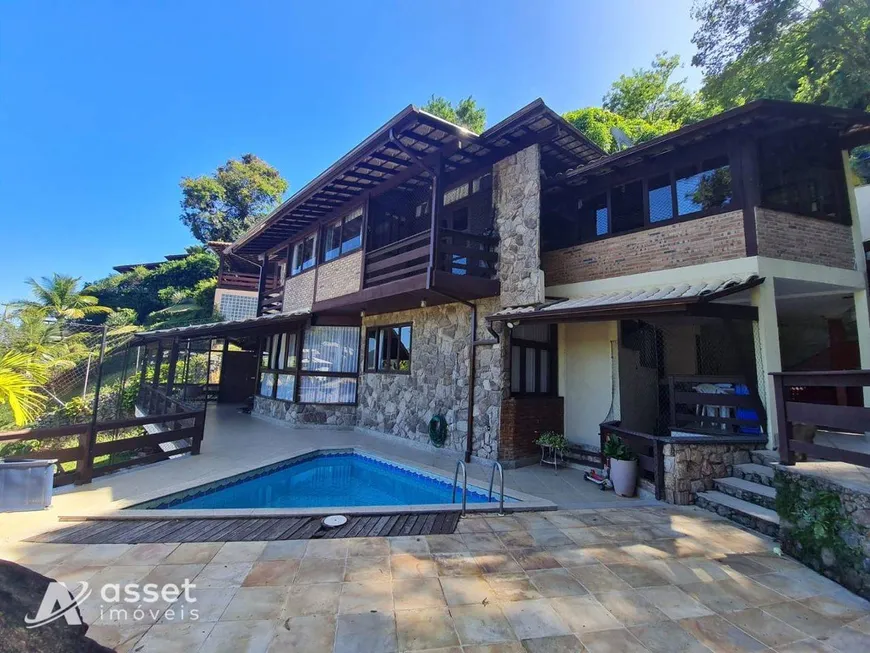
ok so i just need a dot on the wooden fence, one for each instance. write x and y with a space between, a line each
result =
711 413
790 387
178 422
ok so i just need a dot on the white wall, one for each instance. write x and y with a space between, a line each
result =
585 373
862 197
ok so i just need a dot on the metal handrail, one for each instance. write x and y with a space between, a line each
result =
497 466
461 464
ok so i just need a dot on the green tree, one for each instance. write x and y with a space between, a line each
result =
223 205
20 378
465 114
595 123
651 95
147 291
784 49
62 298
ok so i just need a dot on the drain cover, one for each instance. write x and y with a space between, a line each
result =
334 521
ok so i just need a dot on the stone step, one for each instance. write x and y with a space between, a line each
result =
761 474
764 457
739 511
760 495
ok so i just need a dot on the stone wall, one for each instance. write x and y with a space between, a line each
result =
691 468
704 240
403 404
299 291
523 419
807 240
305 414
339 277
825 522
517 203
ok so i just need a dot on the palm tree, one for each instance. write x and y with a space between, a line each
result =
19 378
61 296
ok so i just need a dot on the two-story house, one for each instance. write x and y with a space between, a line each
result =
522 280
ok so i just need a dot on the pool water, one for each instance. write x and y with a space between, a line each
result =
335 479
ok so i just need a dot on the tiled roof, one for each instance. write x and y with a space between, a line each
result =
686 292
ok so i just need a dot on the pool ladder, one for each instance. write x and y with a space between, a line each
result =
496 466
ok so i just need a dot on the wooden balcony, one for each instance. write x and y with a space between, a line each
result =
238 281
456 253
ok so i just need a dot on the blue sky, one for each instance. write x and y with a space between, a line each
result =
106 105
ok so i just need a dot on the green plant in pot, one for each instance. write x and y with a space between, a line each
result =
553 445
623 466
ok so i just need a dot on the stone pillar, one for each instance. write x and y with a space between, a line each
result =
517 199
767 355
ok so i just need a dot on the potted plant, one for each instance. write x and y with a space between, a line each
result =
623 466
553 447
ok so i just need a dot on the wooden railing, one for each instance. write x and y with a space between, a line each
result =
457 252
272 301
713 413
181 423
466 254
649 450
789 387
400 260
239 281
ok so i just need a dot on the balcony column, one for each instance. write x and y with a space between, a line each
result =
767 352
261 285
862 305
437 201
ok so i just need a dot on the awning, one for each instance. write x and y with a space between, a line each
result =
676 298
248 326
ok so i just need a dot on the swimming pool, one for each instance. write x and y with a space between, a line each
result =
320 480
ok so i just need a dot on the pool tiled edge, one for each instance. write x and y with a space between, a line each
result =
127 508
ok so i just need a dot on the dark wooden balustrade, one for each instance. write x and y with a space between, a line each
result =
649 450
400 260
790 389
178 422
701 412
456 252
466 254
239 281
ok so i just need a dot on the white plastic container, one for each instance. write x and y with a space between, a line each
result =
26 484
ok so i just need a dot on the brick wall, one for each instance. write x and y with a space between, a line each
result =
339 277
299 291
705 240
523 419
807 240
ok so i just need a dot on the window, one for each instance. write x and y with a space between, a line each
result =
626 206
342 236
802 174
330 365
278 366
388 349
303 255
594 218
661 201
533 360
703 187
691 190
327 373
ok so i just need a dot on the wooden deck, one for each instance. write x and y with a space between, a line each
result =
134 531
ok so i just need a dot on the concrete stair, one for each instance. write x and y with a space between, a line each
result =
760 495
747 497
755 473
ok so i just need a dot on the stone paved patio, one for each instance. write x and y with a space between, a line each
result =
660 579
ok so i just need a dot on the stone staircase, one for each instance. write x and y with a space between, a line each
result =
747 497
